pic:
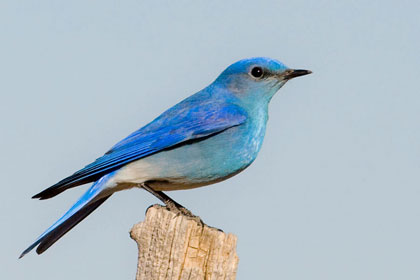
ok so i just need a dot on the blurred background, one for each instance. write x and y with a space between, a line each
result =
334 193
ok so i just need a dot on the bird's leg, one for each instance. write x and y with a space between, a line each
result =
171 204
162 197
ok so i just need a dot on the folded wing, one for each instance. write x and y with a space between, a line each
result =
182 123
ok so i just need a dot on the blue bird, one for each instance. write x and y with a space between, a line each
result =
206 138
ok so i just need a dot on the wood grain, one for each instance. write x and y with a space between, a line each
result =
173 246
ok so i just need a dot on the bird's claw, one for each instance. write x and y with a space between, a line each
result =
181 210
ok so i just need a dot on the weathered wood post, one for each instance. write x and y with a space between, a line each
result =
173 246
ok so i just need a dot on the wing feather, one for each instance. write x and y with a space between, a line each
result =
180 124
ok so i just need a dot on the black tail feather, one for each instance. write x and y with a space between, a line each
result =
52 237
57 233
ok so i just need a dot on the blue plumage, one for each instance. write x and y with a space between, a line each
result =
179 124
208 137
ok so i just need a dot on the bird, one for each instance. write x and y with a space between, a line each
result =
208 137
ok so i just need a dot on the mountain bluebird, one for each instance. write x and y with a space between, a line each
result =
206 138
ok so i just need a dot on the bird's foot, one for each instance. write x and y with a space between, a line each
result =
172 205
181 210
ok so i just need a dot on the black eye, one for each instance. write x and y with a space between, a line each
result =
257 72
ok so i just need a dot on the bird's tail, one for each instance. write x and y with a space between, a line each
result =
80 210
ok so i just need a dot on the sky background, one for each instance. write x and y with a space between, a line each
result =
334 193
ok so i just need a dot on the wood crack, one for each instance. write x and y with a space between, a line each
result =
176 247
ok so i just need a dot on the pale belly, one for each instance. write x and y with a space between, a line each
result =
194 165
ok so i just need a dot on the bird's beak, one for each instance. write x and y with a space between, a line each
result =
293 73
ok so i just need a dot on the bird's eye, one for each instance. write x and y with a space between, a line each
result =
257 72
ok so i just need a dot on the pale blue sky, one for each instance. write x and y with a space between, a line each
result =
334 193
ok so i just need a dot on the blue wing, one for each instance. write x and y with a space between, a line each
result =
187 121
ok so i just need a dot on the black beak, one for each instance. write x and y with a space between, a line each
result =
293 73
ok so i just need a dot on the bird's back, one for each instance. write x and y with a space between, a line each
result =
205 161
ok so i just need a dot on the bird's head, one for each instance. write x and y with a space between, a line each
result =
257 78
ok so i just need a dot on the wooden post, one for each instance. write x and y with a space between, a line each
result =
173 246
